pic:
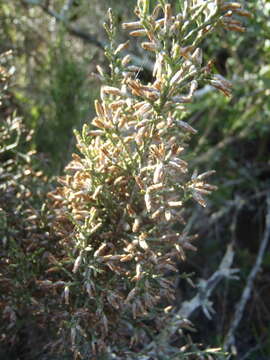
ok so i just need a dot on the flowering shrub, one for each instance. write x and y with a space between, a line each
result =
119 213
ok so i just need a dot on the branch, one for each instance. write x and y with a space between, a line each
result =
230 339
206 287
68 4
86 37
222 144
144 63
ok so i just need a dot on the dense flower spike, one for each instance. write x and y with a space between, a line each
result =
119 211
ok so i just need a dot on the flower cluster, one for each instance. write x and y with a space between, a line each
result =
119 211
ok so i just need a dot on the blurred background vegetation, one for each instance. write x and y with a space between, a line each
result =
56 45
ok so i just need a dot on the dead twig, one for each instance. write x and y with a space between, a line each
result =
258 346
67 6
239 310
205 289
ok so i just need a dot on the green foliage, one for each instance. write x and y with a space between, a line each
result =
66 104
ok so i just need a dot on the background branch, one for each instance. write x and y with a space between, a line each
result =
239 310
85 36
144 63
205 289
67 6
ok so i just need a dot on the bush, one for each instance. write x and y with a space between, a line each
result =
120 210
24 232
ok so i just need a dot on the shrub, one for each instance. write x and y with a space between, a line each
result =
23 229
120 209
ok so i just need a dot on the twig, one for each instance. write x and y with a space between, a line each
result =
259 346
71 29
223 143
206 287
68 4
230 339
145 63
246 356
